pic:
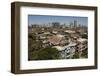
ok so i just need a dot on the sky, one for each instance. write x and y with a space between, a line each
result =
44 19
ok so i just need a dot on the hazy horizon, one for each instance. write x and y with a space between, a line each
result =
45 19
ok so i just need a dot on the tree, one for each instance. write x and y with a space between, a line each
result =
76 55
47 53
85 53
33 46
84 36
31 36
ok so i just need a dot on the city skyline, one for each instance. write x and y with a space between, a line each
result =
45 19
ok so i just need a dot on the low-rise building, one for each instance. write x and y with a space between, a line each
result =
82 45
67 51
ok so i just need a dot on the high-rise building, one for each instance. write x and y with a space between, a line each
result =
75 23
71 25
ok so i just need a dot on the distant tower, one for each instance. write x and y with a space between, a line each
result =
71 25
79 25
75 23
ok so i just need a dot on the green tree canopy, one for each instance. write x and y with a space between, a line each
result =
85 36
46 54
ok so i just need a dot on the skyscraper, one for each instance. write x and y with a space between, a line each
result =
75 23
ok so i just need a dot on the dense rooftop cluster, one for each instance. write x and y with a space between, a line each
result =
70 41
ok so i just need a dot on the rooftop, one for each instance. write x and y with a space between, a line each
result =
82 39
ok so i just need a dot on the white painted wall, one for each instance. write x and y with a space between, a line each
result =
5 42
